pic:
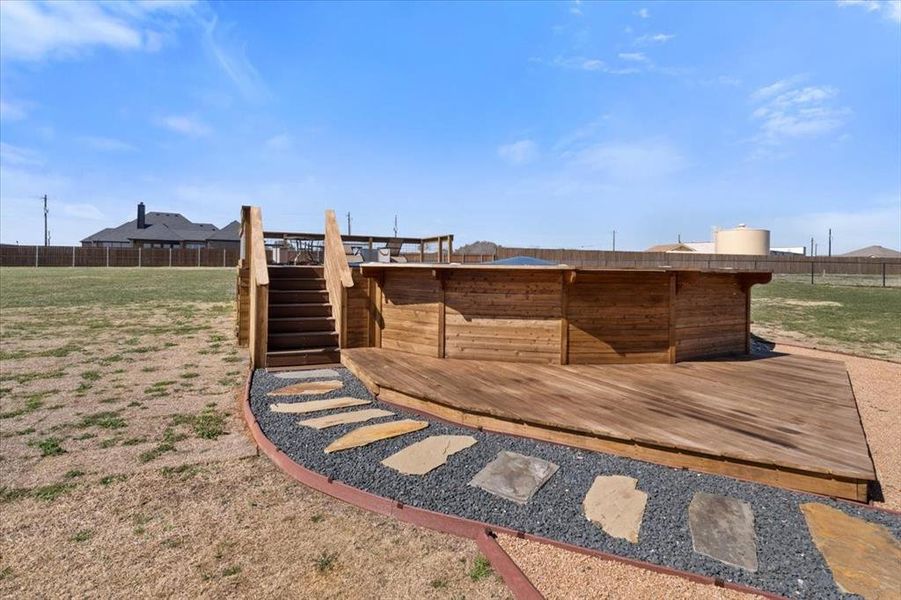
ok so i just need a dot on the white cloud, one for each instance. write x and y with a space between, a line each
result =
106 144
653 38
582 63
786 109
634 57
518 153
34 31
643 13
12 111
230 55
83 211
632 160
185 125
576 8
18 156
889 9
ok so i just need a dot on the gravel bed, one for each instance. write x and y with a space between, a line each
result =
789 563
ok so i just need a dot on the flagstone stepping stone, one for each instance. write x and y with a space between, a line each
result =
316 405
309 374
307 388
363 436
513 476
428 454
357 416
723 529
865 558
615 505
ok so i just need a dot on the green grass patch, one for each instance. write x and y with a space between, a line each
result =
863 320
481 568
50 446
111 479
83 535
326 561
208 424
66 286
104 420
47 493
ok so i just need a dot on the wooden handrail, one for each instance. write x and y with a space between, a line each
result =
337 274
255 249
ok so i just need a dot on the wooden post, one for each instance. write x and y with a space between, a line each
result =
883 274
673 290
35 256
442 314
73 256
422 251
139 256
223 257
450 248
198 257
107 256
812 266
564 319
440 249
379 298
342 334
170 256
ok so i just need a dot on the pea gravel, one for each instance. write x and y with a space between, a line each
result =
789 563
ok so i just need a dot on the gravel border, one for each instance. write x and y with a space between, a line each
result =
790 564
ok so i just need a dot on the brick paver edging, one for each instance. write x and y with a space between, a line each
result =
483 534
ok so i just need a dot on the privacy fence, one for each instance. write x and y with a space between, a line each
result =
76 256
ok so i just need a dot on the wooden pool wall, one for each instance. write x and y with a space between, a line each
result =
550 315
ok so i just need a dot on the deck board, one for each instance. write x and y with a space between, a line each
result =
787 411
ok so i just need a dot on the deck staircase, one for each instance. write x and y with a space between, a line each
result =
301 324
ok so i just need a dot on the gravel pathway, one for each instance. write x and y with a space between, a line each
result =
790 564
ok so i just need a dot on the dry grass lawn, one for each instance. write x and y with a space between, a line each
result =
125 470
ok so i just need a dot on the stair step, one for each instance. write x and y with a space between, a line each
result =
300 324
297 296
302 340
297 358
300 310
278 271
296 283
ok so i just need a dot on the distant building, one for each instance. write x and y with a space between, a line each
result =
699 247
873 252
165 230
789 251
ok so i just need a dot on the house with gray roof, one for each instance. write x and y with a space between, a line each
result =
165 230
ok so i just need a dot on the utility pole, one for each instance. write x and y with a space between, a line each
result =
395 225
614 240
348 222
830 241
46 231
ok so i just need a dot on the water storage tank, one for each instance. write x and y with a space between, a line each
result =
742 240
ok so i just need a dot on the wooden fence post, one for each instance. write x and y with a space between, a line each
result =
170 256
139 256
883 274
198 257
812 267
107 256
223 257
73 256
35 256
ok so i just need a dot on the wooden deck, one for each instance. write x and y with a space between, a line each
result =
789 421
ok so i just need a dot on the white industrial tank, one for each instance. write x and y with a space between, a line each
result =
742 240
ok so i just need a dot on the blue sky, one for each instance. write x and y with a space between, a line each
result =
535 124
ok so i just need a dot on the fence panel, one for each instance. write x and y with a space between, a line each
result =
69 256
